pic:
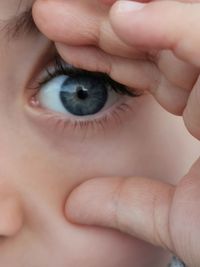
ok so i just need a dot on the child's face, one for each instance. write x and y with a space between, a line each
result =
45 154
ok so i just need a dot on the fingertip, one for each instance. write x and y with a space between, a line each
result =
62 21
126 7
125 20
75 203
91 203
107 2
145 25
41 12
79 203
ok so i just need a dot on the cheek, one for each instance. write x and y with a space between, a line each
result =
44 179
141 146
45 172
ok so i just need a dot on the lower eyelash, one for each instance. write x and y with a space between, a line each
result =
89 127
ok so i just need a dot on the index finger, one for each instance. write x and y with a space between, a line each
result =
80 24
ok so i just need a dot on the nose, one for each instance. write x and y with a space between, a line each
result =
11 216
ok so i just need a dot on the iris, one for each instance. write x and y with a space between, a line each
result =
83 95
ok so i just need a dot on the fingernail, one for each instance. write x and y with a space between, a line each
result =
128 6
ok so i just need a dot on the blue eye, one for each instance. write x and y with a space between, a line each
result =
78 92
80 95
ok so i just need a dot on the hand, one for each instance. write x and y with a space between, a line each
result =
155 48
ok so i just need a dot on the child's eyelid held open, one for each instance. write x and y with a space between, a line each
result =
140 73
59 67
109 118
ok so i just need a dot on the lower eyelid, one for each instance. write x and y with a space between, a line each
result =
58 126
109 107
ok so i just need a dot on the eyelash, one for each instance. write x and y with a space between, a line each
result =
58 67
61 68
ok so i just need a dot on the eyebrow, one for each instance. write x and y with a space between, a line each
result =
20 25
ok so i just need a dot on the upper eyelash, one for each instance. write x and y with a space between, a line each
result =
62 68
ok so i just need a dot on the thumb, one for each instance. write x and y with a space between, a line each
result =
160 25
137 206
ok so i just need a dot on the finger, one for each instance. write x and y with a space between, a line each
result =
80 25
97 31
108 2
191 113
66 21
137 206
111 2
178 72
160 25
137 74
151 210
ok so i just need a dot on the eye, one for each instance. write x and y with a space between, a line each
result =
80 99
80 95
78 92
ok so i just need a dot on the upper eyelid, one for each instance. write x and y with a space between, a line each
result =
59 67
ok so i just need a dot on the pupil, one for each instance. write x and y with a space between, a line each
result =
82 93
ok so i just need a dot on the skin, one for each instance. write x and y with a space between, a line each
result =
160 213
41 163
